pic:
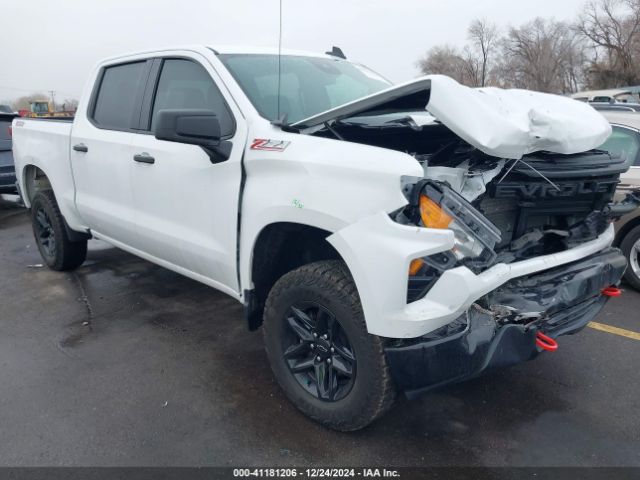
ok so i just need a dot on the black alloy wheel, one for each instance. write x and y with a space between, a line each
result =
52 234
45 235
317 352
318 346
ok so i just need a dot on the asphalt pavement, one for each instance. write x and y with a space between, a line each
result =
124 363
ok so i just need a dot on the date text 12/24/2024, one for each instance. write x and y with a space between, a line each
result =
316 472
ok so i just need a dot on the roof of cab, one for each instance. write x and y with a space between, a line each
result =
233 49
219 49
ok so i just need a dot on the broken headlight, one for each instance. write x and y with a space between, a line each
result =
475 237
438 206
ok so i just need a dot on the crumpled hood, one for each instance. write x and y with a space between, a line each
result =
502 123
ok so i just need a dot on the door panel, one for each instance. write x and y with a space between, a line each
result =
100 147
102 177
186 207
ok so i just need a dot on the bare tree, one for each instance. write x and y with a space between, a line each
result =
469 66
484 37
543 55
613 26
69 105
445 60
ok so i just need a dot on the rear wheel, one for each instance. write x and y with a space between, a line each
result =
57 251
327 363
630 246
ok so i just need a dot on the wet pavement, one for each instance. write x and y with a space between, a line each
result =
125 363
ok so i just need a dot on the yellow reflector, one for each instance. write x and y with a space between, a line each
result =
415 266
432 215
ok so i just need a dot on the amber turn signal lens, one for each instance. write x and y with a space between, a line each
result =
432 215
415 266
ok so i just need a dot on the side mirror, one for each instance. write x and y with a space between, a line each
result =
193 127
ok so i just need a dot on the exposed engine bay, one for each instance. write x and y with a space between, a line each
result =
501 210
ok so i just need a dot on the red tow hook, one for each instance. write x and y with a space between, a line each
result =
545 342
611 292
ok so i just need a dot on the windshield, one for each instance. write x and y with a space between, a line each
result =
40 107
308 85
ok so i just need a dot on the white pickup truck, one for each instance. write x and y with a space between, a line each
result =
386 238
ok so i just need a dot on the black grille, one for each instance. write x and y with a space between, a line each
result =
536 204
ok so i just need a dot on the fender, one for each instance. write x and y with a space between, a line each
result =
318 182
378 252
48 150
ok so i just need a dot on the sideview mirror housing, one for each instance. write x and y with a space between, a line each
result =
194 127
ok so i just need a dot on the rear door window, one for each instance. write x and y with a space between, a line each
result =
184 84
115 104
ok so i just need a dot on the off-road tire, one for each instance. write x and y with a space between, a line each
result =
67 255
630 239
329 284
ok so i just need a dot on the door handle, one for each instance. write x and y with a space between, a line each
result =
81 147
144 157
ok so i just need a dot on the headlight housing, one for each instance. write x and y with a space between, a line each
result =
432 215
475 236
435 205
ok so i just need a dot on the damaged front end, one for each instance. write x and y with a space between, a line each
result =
501 328
536 207
533 208
505 241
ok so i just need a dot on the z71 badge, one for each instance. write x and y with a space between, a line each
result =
269 145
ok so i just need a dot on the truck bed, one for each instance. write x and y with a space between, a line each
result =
55 119
45 143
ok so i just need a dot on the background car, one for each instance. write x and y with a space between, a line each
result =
614 95
619 107
625 140
7 169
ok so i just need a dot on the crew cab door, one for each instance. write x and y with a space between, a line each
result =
100 150
186 206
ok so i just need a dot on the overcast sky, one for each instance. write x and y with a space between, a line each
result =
52 45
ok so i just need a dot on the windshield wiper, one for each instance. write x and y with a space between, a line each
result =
333 130
281 122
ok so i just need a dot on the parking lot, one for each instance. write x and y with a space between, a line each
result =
125 363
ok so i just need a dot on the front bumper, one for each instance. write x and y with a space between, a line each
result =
556 302
378 252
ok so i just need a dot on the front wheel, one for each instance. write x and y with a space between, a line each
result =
321 354
56 249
